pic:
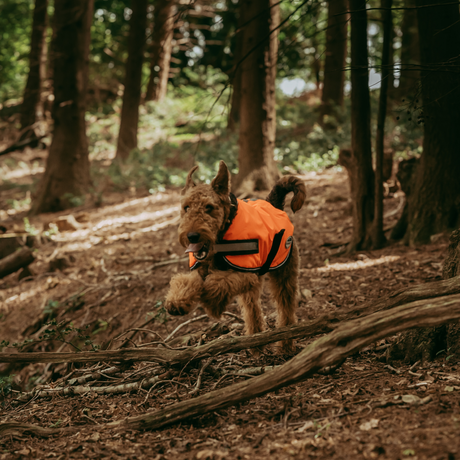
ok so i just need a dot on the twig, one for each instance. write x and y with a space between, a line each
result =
168 262
200 375
234 316
139 329
198 318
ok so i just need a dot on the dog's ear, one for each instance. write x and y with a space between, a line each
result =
189 181
221 183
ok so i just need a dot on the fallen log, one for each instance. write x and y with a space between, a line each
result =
329 350
15 261
326 351
321 325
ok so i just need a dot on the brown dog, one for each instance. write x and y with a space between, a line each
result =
232 244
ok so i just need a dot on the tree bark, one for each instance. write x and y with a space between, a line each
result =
360 165
127 136
435 206
444 340
163 29
257 169
234 114
15 261
32 107
327 351
336 53
377 235
407 172
409 76
67 168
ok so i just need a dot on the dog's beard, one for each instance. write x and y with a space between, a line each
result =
200 250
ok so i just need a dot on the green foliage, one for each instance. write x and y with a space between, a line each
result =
51 307
108 51
19 205
160 315
57 424
29 228
15 32
6 384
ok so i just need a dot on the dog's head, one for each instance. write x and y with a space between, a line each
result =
205 212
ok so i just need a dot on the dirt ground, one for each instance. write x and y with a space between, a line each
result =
108 275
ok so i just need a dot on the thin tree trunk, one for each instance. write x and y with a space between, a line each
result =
435 204
360 170
234 114
127 136
163 29
67 168
32 107
257 169
409 77
378 237
336 53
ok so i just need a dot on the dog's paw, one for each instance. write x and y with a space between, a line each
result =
286 347
175 309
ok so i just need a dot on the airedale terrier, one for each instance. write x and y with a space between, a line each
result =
231 244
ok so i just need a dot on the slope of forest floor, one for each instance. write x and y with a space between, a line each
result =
107 273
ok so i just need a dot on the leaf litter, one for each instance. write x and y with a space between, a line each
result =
109 293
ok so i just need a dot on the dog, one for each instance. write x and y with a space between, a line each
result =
231 244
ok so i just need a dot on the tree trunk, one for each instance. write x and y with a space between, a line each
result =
257 169
336 52
67 168
163 29
32 107
435 206
127 137
360 169
444 340
410 54
377 235
234 114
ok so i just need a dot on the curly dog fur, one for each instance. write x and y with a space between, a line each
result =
206 211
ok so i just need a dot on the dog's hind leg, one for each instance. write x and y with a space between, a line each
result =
284 285
184 293
252 311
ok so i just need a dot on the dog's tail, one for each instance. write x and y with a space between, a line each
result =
282 188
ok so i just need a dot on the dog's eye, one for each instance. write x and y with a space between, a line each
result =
209 208
186 208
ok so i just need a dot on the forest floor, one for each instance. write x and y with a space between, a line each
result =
111 281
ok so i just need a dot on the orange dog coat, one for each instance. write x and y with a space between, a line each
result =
258 240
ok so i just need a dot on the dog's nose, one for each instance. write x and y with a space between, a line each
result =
193 237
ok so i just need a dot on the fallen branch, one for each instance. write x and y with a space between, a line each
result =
85 389
326 351
15 261
323 324
20 144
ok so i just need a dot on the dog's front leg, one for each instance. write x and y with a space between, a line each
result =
184 293
220 287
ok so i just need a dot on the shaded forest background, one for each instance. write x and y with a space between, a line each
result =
138 93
